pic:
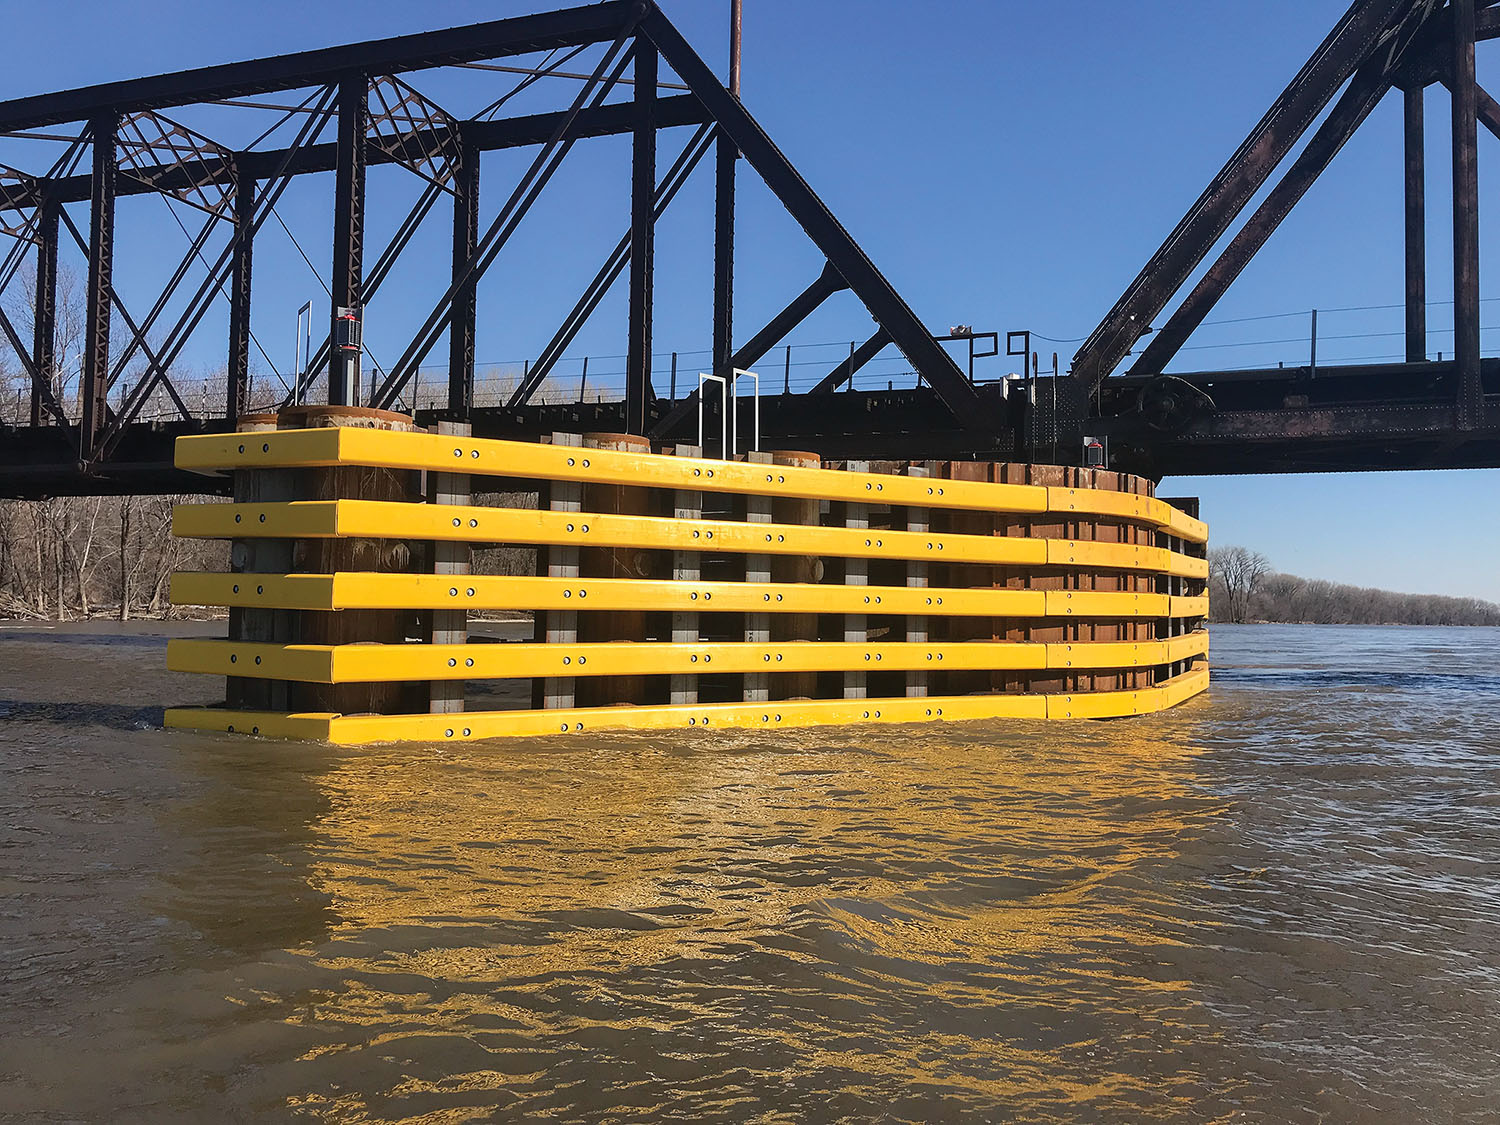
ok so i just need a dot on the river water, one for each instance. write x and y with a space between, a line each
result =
1279 902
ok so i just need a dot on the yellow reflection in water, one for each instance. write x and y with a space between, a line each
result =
961 909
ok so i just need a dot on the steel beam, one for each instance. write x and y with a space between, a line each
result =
44 319
465 300
348 231
264 164
237 381
885 304
1416 225
608 273
857 359
102 131
638 390
726 158
593 23
825 285
495 236
1465 217
1363 93
1236 183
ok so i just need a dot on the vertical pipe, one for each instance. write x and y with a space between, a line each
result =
1416 226
736 20
1465 218
348 230
465 301
856 573
101 268
44 323
674 376
1312 345
786 373
642 238
237 382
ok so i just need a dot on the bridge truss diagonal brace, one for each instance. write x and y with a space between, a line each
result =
1351 42
1369 85
907 332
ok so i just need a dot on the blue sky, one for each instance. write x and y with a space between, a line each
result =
1007 165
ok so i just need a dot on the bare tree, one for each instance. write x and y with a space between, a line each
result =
1236 571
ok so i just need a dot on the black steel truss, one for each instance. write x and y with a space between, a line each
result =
1377 47
361 106
367 95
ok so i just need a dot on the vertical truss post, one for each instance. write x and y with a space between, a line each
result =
237 384
1416 225
726 157
465 301
642 238
44 323
348 230
1465 217
103 129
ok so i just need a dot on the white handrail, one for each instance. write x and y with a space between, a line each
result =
741 373
703 377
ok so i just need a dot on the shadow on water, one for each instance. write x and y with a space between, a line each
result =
118 716
245 881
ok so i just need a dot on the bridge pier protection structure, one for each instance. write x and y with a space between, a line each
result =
1055 597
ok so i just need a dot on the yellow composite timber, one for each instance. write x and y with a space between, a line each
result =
533 461
360 590
358 729
379 663
321 519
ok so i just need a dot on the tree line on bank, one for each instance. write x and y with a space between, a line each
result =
1243 587
73 557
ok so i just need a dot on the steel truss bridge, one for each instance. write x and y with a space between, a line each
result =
121 139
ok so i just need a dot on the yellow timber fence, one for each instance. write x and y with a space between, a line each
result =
669 589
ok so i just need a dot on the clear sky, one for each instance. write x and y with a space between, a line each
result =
1008 165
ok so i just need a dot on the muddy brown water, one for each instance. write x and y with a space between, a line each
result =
1277 903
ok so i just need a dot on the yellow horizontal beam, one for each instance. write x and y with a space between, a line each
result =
528 460
371 663
321 519
358 729
433 591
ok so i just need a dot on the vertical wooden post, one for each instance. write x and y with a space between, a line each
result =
614 562
687 504
856 573
449 626
916 576
757 686
348 554
560 627
796 568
